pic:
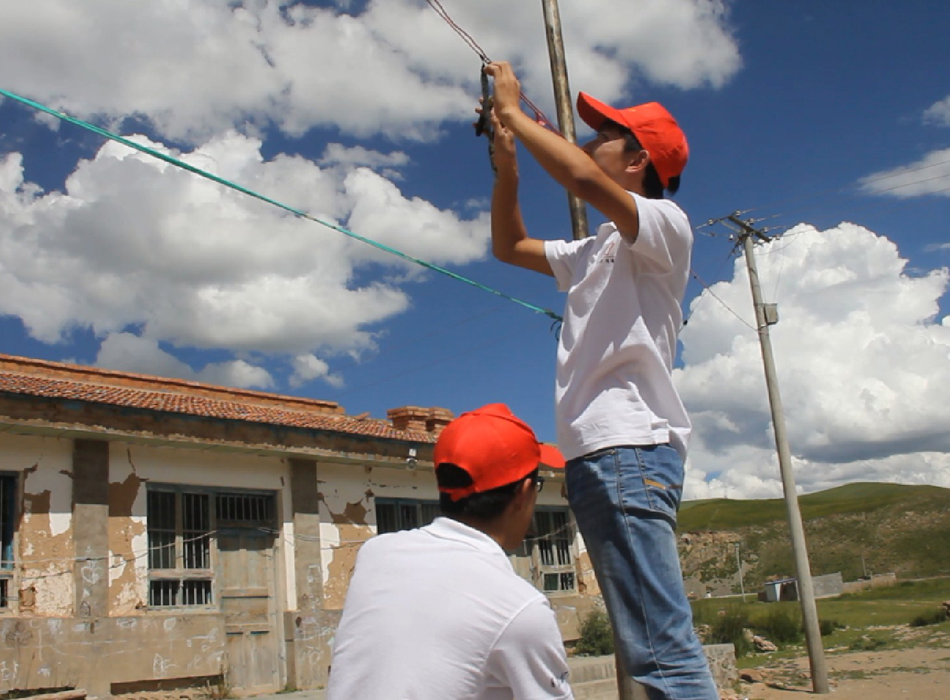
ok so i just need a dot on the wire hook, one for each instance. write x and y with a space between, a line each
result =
483 125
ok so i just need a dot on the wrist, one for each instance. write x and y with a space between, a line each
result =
510 113
506 176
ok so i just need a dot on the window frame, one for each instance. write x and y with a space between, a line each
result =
9 511
539 568
419 506
184 575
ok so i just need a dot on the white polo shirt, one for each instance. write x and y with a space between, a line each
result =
615 355
438 613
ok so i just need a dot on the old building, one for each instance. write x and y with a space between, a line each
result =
160 534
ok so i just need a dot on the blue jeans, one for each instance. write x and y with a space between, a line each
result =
625 501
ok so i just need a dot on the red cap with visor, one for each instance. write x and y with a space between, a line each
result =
493 447
651 123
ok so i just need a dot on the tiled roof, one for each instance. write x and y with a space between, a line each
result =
56 380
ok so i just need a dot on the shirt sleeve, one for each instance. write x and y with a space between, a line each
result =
563 257
529 656
665 235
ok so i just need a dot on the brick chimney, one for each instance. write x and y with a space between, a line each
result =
420 420
411 418
438 419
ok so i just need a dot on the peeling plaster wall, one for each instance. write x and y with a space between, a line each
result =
289 549
68 653
347 519
44 552
128 539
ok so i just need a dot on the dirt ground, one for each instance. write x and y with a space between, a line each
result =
922 673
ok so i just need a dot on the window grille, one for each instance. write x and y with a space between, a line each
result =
245 508
179 549
553 543
163 593
393 515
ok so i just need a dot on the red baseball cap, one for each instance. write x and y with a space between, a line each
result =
494 447
654 127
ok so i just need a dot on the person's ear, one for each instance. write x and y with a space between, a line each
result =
638 161
527 488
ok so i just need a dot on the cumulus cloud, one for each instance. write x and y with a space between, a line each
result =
197 67
862 361
133 242
929 175
938 113
131 353
309 367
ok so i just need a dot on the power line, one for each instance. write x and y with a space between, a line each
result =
539 116
724 304
911 184
705 287
827 192
251 193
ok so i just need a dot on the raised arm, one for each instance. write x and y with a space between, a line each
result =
510 240
567 163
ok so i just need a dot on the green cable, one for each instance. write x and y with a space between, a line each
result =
285 207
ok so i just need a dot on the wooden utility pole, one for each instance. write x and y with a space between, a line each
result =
739 569
764 317
626 687
562 97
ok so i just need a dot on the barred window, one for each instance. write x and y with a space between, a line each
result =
8 500
179 549
554 536
393 514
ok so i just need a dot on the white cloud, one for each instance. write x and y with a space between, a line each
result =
135 242
862 361
309 367
380 212
198 67
131 353
929 175
686 43
337 154
938 113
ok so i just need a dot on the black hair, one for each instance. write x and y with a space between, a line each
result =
652 185
484 506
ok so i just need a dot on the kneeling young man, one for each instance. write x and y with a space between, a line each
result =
438 612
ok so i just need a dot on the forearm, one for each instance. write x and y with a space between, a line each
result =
565 162
507 225
510 240
575 170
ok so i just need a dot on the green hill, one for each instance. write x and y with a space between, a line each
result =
856 529
866 497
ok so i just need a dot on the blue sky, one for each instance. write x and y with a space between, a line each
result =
830 122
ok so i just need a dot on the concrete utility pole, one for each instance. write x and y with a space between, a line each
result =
764 317
562 97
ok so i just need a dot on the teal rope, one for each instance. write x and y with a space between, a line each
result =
285 207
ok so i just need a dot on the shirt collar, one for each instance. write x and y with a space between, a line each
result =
449 529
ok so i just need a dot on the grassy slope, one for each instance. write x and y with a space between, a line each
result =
871 527
725 514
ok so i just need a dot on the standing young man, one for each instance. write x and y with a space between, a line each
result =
620 422
438 613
